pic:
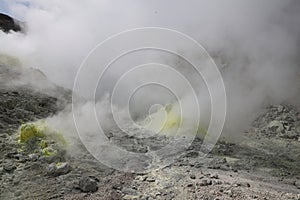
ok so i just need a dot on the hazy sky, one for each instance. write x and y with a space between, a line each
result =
3 8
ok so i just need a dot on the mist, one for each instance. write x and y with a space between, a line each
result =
255 45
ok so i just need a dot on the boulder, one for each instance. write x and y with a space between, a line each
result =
88 184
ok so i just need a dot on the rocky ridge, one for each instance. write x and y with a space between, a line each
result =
7 24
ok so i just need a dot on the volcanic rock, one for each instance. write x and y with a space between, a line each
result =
57 169
7 24
88 184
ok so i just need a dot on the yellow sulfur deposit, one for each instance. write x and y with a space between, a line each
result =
29 131
172 121
167 121
38 137
43 144
163 120
48 151
58 164
42 131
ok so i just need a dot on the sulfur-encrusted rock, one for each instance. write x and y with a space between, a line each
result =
38 138
29 131
57 169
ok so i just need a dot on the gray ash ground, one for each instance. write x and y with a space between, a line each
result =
265 165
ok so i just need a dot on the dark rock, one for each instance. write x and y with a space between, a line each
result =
192 154
7 24
215 176
190 185
11 154
205 182
9 167
297 184
116 187
192 176
88 184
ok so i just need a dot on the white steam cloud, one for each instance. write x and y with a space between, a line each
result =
254 43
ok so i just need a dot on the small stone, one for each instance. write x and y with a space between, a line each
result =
192 176
18 193
57 169
51 168
290 135
192 154
144 198
189 184
215 176
201 177
4 135
150 179
197 165
116 187
9 167
280 108
130 197
297 184
63 168
33 157
229 193
88 184
244 184
157 194
165 184
205 182
216 182
12 154
276 126
129 191
139 178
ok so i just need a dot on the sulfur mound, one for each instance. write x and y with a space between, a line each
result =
41 139
30 131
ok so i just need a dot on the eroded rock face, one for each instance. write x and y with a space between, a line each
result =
7 24
279 121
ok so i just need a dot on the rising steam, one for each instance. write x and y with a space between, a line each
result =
254 44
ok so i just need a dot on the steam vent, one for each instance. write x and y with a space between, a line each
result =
179 100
